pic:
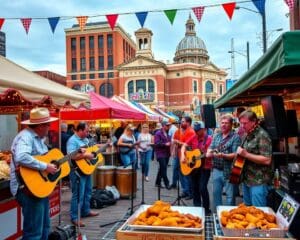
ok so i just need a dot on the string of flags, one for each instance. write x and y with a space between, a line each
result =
198 11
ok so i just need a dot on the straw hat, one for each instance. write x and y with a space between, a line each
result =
130 127
39 116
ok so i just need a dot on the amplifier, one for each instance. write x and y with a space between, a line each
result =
290 178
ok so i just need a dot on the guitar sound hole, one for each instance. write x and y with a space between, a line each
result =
53 177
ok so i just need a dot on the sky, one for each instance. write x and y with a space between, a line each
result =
43 50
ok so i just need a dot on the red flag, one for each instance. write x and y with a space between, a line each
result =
198 11
26 23
290 3
112 19
2 20
229 8
82 21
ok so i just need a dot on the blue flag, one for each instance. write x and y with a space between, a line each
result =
260 5
141 17
53 22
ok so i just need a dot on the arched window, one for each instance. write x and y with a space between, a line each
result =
87 88
106 90
76 87
141 90
221 89
195 86
209 88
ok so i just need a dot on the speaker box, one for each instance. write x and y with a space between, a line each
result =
209 115
275 116
292 123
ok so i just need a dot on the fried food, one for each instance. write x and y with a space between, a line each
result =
160 214
244 217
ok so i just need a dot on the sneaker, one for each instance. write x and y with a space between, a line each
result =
147 179
173 186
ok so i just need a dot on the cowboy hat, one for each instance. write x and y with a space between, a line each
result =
39 116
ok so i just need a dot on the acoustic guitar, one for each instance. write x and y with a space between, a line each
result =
192 161
239 162
88 166
40 183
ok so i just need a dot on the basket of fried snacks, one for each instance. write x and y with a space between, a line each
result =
249 221
161 216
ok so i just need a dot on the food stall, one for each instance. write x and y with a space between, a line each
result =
276 76
20 91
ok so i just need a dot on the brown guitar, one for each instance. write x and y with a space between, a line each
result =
87 166
239 163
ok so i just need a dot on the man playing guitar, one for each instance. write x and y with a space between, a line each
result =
257 150
226 143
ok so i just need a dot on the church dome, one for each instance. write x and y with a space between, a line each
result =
191 48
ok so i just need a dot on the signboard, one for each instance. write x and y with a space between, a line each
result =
54 202
141 96
230 83
287 210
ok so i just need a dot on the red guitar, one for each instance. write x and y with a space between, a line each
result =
239 163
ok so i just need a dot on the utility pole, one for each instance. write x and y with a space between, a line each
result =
233 75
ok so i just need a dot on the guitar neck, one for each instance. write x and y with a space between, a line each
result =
67 157
102 149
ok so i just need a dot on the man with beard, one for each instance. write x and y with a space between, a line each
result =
223 149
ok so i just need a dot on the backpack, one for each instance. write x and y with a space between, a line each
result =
102 198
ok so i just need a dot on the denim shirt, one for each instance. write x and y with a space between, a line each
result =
26 145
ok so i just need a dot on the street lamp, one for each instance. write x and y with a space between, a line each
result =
264 31
247 55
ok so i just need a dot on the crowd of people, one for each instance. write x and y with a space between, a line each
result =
137 146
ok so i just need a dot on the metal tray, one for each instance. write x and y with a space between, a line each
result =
260 233
197 211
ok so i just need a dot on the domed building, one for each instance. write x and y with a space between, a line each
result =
186 84
191 48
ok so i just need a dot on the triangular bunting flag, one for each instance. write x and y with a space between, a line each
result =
112 19
229 8
171 14
82 21
260 5
290 3
26 23
53 22
141 16
198 11
2 20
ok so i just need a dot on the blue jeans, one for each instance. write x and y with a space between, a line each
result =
36 222
199 179
219 182
255 195
128 158
185 181
84 192
145 161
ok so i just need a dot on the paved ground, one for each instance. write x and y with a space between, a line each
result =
122 208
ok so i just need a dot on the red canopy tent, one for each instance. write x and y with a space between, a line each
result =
102 108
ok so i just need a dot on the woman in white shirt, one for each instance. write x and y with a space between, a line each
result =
145 150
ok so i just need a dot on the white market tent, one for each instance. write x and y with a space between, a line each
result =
34 87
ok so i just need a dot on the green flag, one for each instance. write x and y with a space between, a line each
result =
171 14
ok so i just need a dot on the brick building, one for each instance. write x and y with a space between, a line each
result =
184 85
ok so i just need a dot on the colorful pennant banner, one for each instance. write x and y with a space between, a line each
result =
112 19
53 22
82 21
2 20
198 11
171 14
26 23
290 3
141 16
229 9
260 5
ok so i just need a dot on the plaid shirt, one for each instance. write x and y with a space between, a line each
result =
225 145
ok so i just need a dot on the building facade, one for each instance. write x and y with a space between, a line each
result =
93 54
184 85
52 76
2 44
